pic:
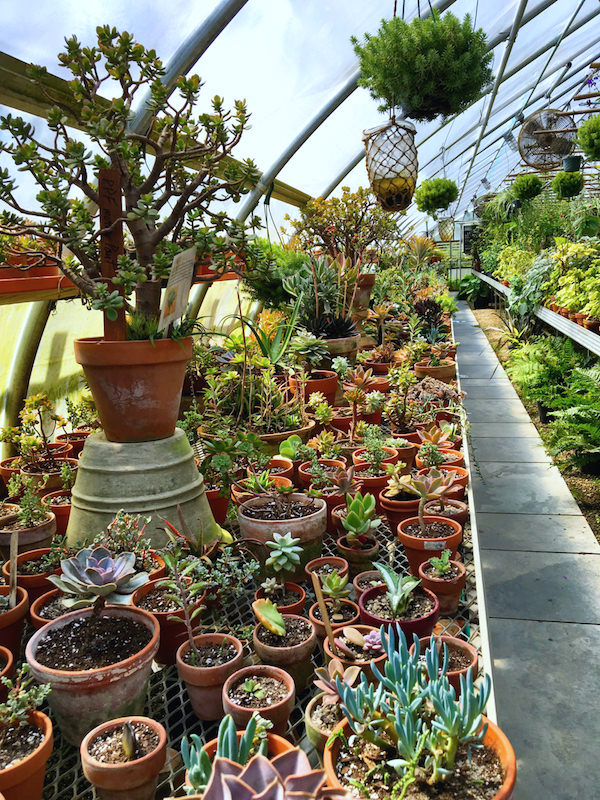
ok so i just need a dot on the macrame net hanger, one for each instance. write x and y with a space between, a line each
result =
445 223
391 158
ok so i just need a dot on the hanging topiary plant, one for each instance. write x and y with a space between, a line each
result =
588 138
427 67
526 187
435 194
567 184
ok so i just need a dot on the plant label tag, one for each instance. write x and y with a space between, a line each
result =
433 545
175 297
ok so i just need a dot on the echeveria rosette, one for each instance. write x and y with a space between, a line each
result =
94 573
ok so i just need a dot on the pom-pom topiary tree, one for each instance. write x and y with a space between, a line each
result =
526 187
567 184
588 138
435 194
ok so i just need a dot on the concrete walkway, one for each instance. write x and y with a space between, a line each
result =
540 567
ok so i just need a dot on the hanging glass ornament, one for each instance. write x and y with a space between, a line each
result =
392 165
446 228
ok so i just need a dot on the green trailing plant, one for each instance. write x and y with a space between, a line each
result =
31 509
435 194
567 184
526 187
67 476
427 67
197 761
588 138
441 566
359 521
412 716
24 696
400 589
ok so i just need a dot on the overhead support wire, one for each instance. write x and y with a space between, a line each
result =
187 54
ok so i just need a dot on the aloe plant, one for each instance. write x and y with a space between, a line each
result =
399 589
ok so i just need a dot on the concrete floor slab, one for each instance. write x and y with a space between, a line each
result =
521 489
515 449
555 587
495 410
489 390
506 429
480 370
548 704
546 532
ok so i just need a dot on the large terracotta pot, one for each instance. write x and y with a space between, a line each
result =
445 372
494 738
136 385
279 713
132 780
347 347
309 529
25 779
419 550
35 538
204 684
271 441
12 621
459 644
82 699
171 623
422 626
448 592
293 608
34 585
322 380
61 511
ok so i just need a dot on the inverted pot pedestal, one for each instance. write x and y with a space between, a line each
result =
147 478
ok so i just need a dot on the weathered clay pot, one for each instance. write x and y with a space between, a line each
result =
294 659
50 481
422 626
373 574
219 504
36 620
8 670
12 621
82 699
25 779
453 509
75 439
271 441
365 666
445 372
293 608
132 780
35 585
304 476
204 684
359 559
418 550
35 538
279 713
448 592
347 347
339 564
320 627
61 510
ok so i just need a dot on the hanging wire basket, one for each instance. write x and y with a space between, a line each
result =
446 228
392 165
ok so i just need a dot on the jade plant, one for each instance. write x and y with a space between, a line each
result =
412 716
359 521
167 206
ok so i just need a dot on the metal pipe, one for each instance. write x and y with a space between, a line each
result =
351 84
347 170
19 372
187 54
505 56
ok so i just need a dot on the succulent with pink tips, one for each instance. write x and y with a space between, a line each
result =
326 680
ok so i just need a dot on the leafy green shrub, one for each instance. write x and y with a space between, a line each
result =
513 262
472 289
432 66
588 138
575 431
542 368
527 293
526 187
567 184
435 194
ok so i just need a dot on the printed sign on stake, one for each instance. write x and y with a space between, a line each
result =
176 294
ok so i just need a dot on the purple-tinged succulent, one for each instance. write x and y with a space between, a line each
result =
326 680
372 643
95 573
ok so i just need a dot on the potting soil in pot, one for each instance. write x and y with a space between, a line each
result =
157 601
419 606
286 598
452 573
343 615
294 509
296 632
266 692
211 655
435 530
92 643
477 775
108 747
53 610
326 717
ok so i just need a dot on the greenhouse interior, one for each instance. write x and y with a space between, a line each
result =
300 400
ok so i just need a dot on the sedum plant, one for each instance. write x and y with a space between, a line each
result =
95 577
412 716
24 695
399 589
31 509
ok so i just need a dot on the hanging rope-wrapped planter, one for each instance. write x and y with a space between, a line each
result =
392 165
446 228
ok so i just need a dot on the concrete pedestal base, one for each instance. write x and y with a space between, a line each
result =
148 478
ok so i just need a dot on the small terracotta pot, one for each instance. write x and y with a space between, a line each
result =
374 484
305 477
453 509
320 627
285 657
25 779
7 470
279 713
410 436
271 441
61 511
50 481
453 459
171 623
380 384
75 439
333 500
422 626
35 538
82 699
591 324
359 560
132 780
378 367
494 738
407 456
8 670
204 684
392 457
276 746
12 621
219 504
321 380
315 735
339 564
373 574
365 666
294 608
448 592
35 585
283 463
460 644
397 510
34 610
419 550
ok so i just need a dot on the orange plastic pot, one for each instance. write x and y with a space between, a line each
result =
61 511
322 380
459 644
278 713
12 621
132 780
25 779
448 592
419 550
457 492
136 385
34 585
293 608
